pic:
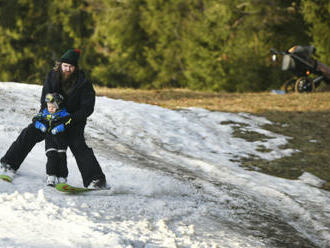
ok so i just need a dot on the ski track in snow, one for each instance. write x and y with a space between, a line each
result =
175 183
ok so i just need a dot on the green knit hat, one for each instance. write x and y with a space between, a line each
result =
71 57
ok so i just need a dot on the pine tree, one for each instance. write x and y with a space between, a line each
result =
207 30
164 22
37 32
200 44
317 14
255 27
21 39
140 43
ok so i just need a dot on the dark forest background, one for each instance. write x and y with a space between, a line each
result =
216 45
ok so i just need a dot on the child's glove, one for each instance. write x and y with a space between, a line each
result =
66 121
42 127
37 117
58 129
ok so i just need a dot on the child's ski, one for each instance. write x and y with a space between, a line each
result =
6 178
64 187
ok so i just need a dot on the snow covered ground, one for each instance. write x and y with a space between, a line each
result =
175 182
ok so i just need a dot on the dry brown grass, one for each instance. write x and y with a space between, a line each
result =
304 117
229 102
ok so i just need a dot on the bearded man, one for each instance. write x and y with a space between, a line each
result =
79 100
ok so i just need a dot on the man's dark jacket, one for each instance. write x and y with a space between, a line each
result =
79 102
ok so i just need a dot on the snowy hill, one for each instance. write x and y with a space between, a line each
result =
174 178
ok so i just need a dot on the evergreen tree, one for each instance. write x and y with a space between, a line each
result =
119 42
71 24
140 43
317 14
35 33
21 39
256 26
206 33
204 44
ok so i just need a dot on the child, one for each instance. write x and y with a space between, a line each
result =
56 167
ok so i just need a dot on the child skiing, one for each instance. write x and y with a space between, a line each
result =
56 166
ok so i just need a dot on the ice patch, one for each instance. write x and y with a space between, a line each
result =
310 179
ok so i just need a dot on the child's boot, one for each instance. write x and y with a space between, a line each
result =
51 180
62 180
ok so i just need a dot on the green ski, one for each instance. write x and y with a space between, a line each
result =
67 188
6 178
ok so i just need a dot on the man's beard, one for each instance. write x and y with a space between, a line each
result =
67 75
67 81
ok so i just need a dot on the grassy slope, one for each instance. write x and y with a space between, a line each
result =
304 117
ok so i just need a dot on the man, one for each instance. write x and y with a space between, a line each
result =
79 99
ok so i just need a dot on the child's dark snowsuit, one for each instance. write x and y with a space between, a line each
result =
55 146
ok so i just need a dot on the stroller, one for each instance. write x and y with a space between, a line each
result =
299 61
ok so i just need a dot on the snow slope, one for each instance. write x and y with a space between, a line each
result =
175 183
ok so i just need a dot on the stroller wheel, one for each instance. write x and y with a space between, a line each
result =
289 85
304 84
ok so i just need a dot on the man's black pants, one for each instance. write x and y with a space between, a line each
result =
74 138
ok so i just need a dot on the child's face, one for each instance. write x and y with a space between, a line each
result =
51 108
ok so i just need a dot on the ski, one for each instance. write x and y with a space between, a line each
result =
6 178
67 188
